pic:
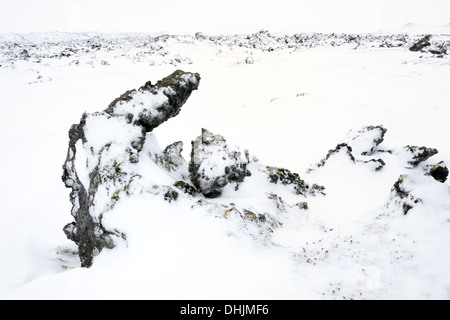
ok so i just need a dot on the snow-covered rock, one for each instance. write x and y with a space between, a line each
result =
213 164
361 147
279 233
438 171
111 155
103 156
421 43
363 141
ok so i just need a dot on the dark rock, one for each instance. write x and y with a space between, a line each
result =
398 187
421 43
250 215
249 60
438 171
379 163
70 231
186 187
365 140
360 142
171 158
167 97
419 154
278 201
302 205
342 147
403 196
200 36
439 51
82 231
286 177
406 207
171 195
108 165
246 215
213 165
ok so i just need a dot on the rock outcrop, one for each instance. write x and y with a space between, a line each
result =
213 164
112 153
417 154
82 49
438 171
358 145
402 194
425 44
421 43
104 164
363 147
288 178
104 150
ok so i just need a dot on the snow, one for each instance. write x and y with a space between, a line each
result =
288 108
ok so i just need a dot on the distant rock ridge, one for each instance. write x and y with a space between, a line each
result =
74 48
110 153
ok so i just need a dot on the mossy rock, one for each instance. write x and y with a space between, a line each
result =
286 177
171 195
186 187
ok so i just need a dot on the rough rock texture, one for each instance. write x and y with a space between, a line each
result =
363 147
365 140
104 149
438 171
402 194
151 105
419 154
360 145
421 43
340 148
171 158
286 177
213 164
111 153
82 49
425 44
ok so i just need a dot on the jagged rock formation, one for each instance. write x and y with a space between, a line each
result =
82 49
104 163
213 165
438 171
419 154
421 43
365 140
104 149
401 194
151 105
171 158
362 146
359 142
110 152
425 44
286 177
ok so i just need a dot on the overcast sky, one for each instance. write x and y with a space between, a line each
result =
226 16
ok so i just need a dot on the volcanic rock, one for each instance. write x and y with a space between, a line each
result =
213 164
103 152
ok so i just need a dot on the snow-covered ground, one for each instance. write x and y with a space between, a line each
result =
288 103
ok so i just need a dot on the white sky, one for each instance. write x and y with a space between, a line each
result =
226 16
